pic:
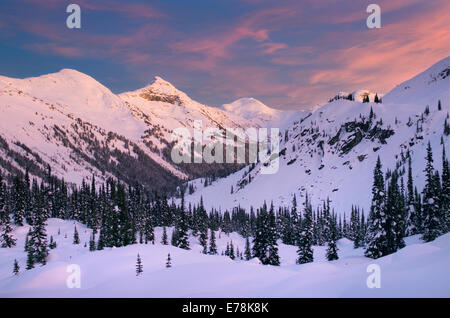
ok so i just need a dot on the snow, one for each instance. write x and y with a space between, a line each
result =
41 104
253 109
345 178
418 270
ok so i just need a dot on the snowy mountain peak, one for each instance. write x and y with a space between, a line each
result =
424 87
249 108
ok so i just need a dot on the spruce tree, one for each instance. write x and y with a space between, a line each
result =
76 237
273 258
212 243
332 248
231 251
182 235
6 238
376 100
164 237
139 266
430 205
445 196
305 240
92 246
16 268
30 259
169 261
377 241
261 238
37 243
52 244
247 252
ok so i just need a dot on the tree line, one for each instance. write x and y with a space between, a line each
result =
121 215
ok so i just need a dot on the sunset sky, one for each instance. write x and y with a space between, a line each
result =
290 54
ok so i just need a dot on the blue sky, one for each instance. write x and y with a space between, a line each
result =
287 53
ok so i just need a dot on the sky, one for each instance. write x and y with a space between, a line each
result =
290 54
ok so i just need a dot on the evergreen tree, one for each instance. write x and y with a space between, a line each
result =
92 246
212 243
430 206
37 244
76 238
376 100
377 241
247 252
182 233
169 261
164 237
332 248
30 259
445 197
139 266
16 268
305 240
52 244
231 251
273 258
261 239
6 238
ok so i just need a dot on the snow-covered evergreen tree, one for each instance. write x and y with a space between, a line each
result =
164 240
76 237
139 266
305 240
212 243
16 268
377 241
332 249
169 261
247 252
430 199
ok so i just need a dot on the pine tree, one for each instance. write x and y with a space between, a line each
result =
6 238
247 252
16 268
164 237
430 206
182 233
376 100
30 259
92 246
273 258
212 243
377 241
439 105
76 238
414 224
332 248
169 261
261 239
445 196
52 244
305 240
37 243
231 251
139 266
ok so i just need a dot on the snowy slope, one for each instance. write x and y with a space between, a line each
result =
79 127
332 152
264 116
418 270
